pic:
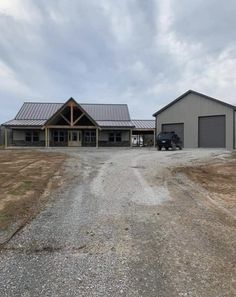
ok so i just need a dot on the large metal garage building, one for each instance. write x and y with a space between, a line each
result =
199 120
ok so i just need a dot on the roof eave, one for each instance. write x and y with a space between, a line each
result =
23 126
117 127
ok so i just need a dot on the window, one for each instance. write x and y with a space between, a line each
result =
90 136
35 136
115 137
55 136
112 137
74 136
118 137
62 136
28 136
32 136
59 136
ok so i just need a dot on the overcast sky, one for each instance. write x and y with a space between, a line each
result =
141 52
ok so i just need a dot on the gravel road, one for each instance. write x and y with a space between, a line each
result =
125 226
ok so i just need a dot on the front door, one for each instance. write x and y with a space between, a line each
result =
74 138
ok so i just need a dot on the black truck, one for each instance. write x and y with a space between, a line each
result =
168 140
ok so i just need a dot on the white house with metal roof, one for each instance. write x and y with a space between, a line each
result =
199 120
72 124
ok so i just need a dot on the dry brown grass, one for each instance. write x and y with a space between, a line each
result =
219 178
24 176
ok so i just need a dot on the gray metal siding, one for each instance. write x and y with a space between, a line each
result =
178 128
233 107
188 110
212 131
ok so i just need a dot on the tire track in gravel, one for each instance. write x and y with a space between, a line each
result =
118 231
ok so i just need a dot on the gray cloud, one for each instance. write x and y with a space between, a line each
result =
144 53
209 22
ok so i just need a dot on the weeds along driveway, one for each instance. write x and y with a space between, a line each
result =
124 226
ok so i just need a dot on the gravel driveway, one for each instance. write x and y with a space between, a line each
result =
124 226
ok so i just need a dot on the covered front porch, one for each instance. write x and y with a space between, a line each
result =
71 126
73 137
66 137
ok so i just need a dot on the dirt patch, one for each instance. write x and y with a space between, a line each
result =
218 178
26 179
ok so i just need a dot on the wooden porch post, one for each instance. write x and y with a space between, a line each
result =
97 134
46 137
71 115
131 131
6 136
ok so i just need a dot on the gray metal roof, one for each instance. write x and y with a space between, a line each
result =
99 112
24 123
106 115
115 124
144 124
37 111
107 112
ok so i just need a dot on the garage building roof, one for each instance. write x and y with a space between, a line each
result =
196 93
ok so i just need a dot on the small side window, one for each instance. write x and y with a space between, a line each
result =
118 137
111 137
28 136
32 136
35 136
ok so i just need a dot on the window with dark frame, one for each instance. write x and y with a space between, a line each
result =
28 136
32 136
59 136
111 137
115 137
90 136
62 136
118 137
35 136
